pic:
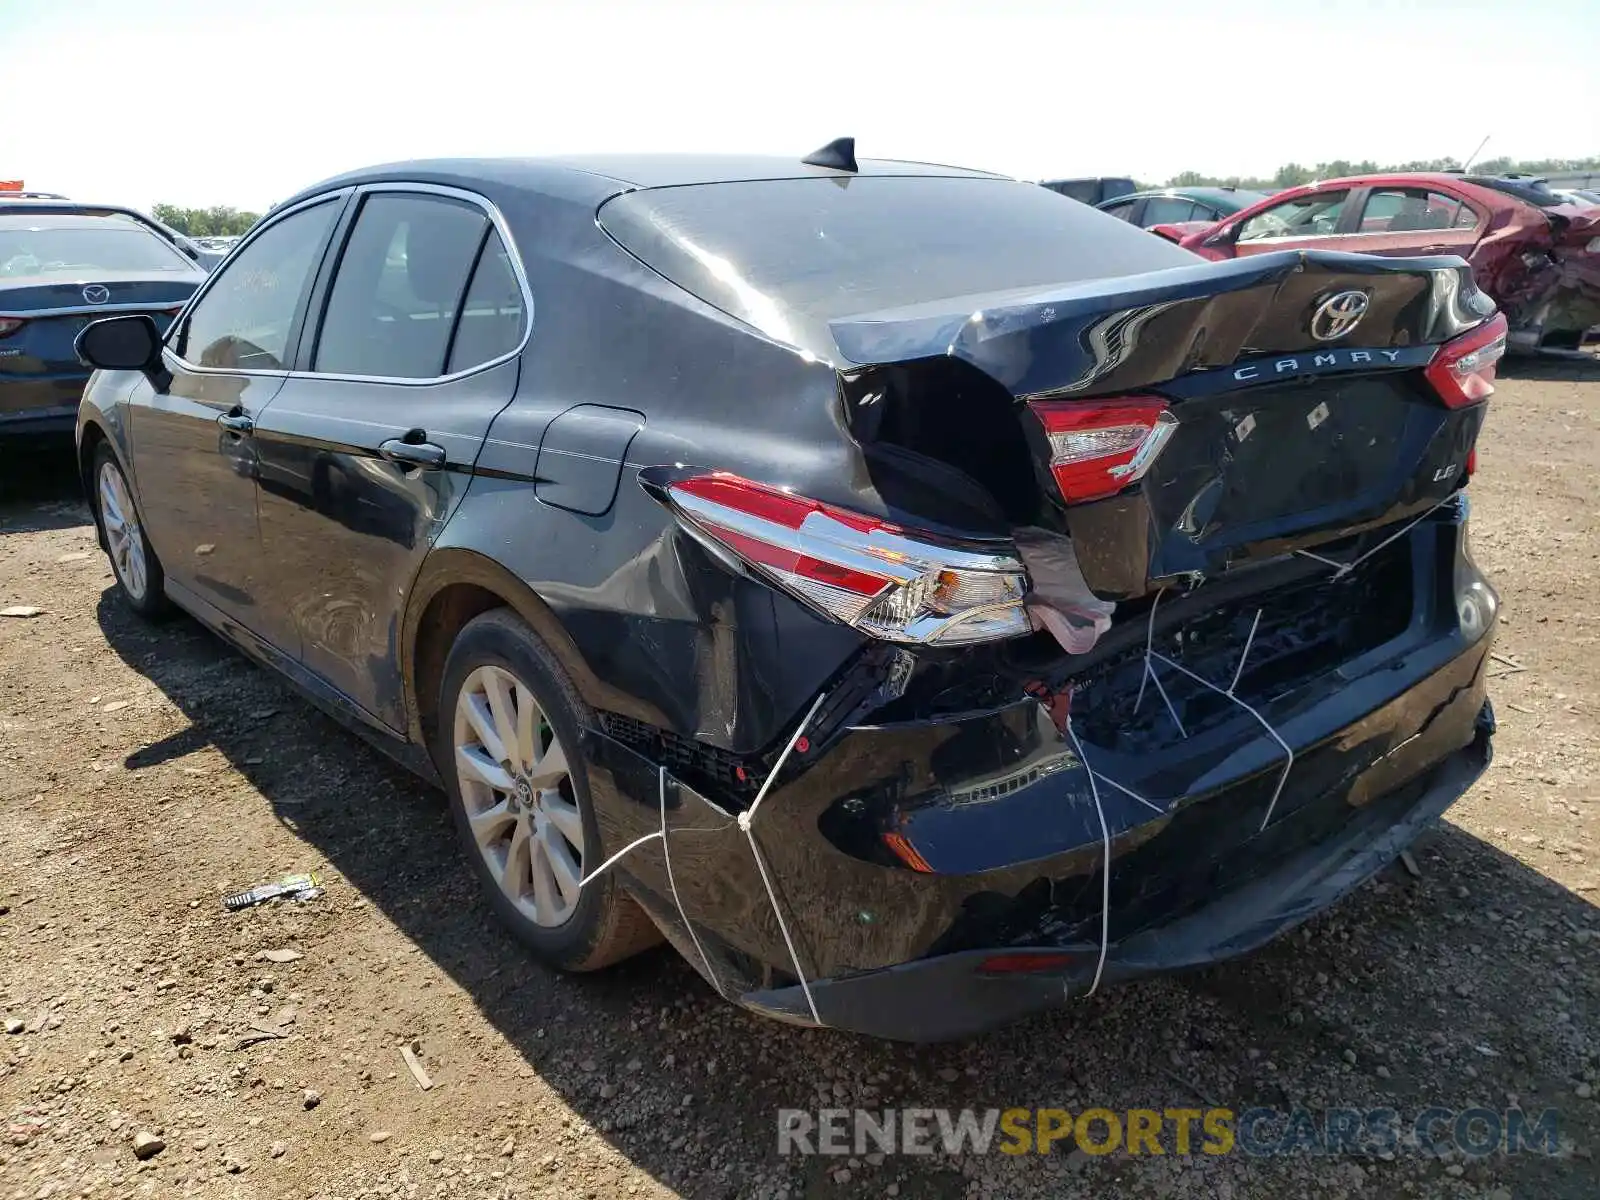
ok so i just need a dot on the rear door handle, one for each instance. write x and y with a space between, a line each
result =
236 421
413 454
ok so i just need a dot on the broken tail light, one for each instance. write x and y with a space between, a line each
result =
906 852
892 583
1099 447
1023 962
1463 370
9 325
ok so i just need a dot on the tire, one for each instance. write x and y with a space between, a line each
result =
140 580
496 666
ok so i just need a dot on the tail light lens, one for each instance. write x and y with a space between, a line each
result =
889 582
10 325
1463 370
906 852
1023 962
1099 447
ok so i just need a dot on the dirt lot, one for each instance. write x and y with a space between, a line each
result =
144 773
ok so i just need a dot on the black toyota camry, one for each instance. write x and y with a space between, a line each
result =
921 599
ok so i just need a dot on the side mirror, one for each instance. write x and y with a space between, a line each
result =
128 343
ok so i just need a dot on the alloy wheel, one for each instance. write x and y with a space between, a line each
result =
124 538
516 789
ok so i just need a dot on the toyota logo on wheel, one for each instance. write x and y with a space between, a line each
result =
1338 315
96 293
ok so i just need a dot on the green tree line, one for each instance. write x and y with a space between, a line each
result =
1293 174
220 221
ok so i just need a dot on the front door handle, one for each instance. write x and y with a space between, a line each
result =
413 454
236 421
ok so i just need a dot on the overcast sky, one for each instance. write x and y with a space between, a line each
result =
204 102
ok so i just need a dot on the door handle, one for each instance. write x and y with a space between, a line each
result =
236 421
413 454
1436 250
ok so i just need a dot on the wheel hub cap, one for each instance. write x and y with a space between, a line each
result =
124 542
516 788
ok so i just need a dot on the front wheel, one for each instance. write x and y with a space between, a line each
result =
140 578
507 747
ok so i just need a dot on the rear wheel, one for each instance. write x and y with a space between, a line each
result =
507 746
140 578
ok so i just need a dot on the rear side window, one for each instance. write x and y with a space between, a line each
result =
399 286
244 318
1164 210
1123 211
492 319
1409 210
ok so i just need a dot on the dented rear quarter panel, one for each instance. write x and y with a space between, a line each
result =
646 624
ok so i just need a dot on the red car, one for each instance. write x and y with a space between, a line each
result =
1534 252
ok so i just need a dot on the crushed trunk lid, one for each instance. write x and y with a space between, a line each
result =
1281 437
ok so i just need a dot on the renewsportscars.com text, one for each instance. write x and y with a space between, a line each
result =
1258 1132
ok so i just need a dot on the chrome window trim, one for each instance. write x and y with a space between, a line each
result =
497 222
1403 232
147 306
1289 237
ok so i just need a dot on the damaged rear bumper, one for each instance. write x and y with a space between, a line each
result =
952 867
956 995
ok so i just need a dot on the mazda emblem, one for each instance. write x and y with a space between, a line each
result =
1338 315
96 293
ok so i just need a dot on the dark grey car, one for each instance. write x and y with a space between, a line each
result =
60 269
919 599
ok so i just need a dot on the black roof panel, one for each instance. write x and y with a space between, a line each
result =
598 176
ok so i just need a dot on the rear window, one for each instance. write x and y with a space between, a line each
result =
1529 190
76 249
788 255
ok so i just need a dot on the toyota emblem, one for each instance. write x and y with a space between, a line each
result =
1338 315
96 293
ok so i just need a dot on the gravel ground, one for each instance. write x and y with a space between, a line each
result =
144 773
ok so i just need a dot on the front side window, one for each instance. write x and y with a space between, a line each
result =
400 283
244 319
1123 211
1305 216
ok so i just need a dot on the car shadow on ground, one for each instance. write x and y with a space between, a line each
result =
1552 368
39 486
1435 979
